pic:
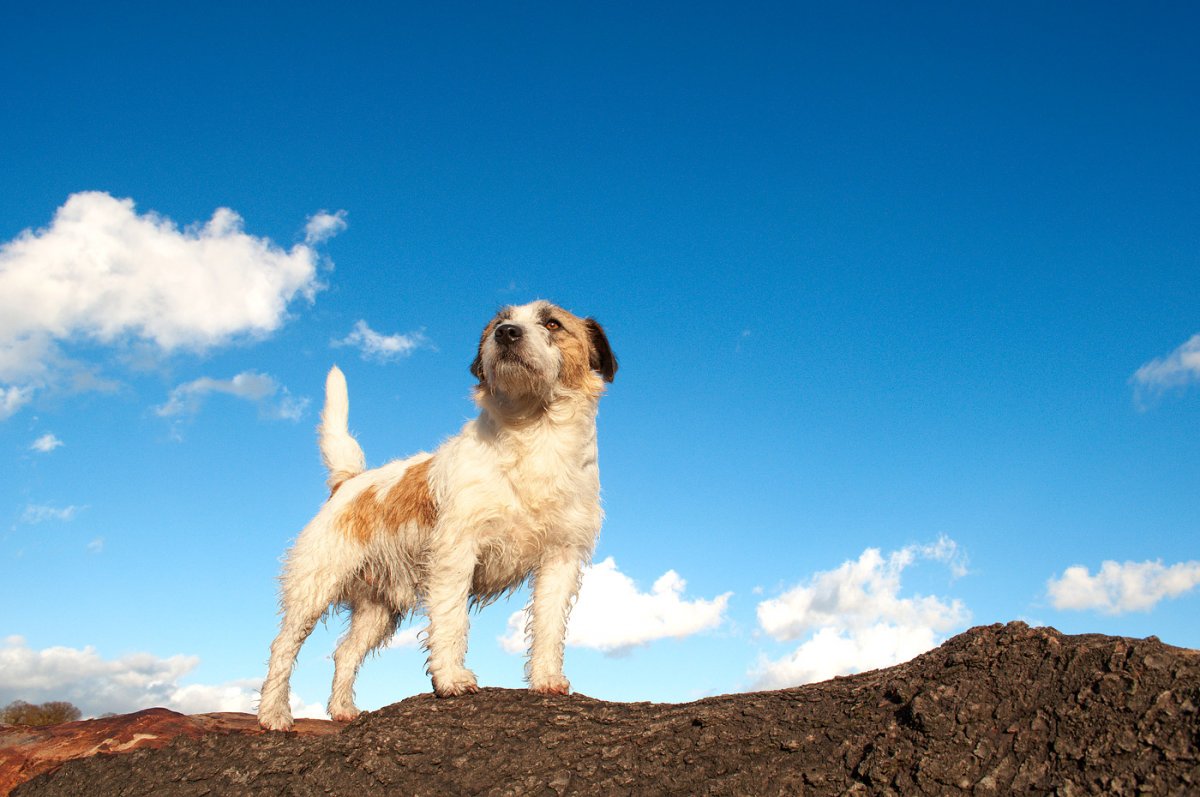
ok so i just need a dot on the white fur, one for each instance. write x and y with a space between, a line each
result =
341 452
517 493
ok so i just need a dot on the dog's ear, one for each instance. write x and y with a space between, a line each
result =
477 363
601 357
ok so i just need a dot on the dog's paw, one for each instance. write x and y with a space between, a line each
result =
275 720
343 713
461 682
552 685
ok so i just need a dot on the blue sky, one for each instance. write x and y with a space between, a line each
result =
904 300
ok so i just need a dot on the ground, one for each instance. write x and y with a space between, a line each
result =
998 709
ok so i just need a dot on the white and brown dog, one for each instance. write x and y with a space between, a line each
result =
515 494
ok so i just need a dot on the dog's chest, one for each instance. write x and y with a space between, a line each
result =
544 469
516 496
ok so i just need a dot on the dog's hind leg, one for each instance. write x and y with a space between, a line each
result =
371 624
302 608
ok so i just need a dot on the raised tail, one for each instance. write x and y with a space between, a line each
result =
340 451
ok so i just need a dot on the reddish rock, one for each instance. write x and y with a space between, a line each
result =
27 751
996 710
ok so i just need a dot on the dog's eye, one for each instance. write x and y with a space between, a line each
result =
552 325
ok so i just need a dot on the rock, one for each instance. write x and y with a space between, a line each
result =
995 710
26 751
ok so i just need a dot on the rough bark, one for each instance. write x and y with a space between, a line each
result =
27 751
995 710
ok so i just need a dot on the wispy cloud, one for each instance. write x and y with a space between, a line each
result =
853 618
103 273
46 443
612 615
129 683
273 400
41 513
13 398
379 347
1177 369
1120 587
322 226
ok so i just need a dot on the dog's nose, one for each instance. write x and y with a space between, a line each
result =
508 333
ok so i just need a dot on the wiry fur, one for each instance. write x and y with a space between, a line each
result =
515 494
340 451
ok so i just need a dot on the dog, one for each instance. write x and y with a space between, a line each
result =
514 495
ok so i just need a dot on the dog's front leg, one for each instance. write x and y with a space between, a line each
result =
554 588
447 591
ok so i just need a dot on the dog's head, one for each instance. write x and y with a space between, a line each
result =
538 351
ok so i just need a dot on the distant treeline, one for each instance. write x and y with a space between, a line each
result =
53 712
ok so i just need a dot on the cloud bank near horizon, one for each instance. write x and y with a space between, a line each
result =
1122 587
129 683
854 618
613 616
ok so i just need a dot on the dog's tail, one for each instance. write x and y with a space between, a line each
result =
340 451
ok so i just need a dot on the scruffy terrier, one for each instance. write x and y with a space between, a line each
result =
515 494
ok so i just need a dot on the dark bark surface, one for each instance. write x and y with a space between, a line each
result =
27 751
996 710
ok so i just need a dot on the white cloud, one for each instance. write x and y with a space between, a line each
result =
613 616
288 408
1177 369
96 545
273 400
39 513
853 618
103 273
861 593
46 443
406 638
375 346
129 683
322 226
1120 587
833 651
12 398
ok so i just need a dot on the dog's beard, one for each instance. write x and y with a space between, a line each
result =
516 379
513 374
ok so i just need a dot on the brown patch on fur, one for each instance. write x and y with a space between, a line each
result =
408 501
587 357
572 342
